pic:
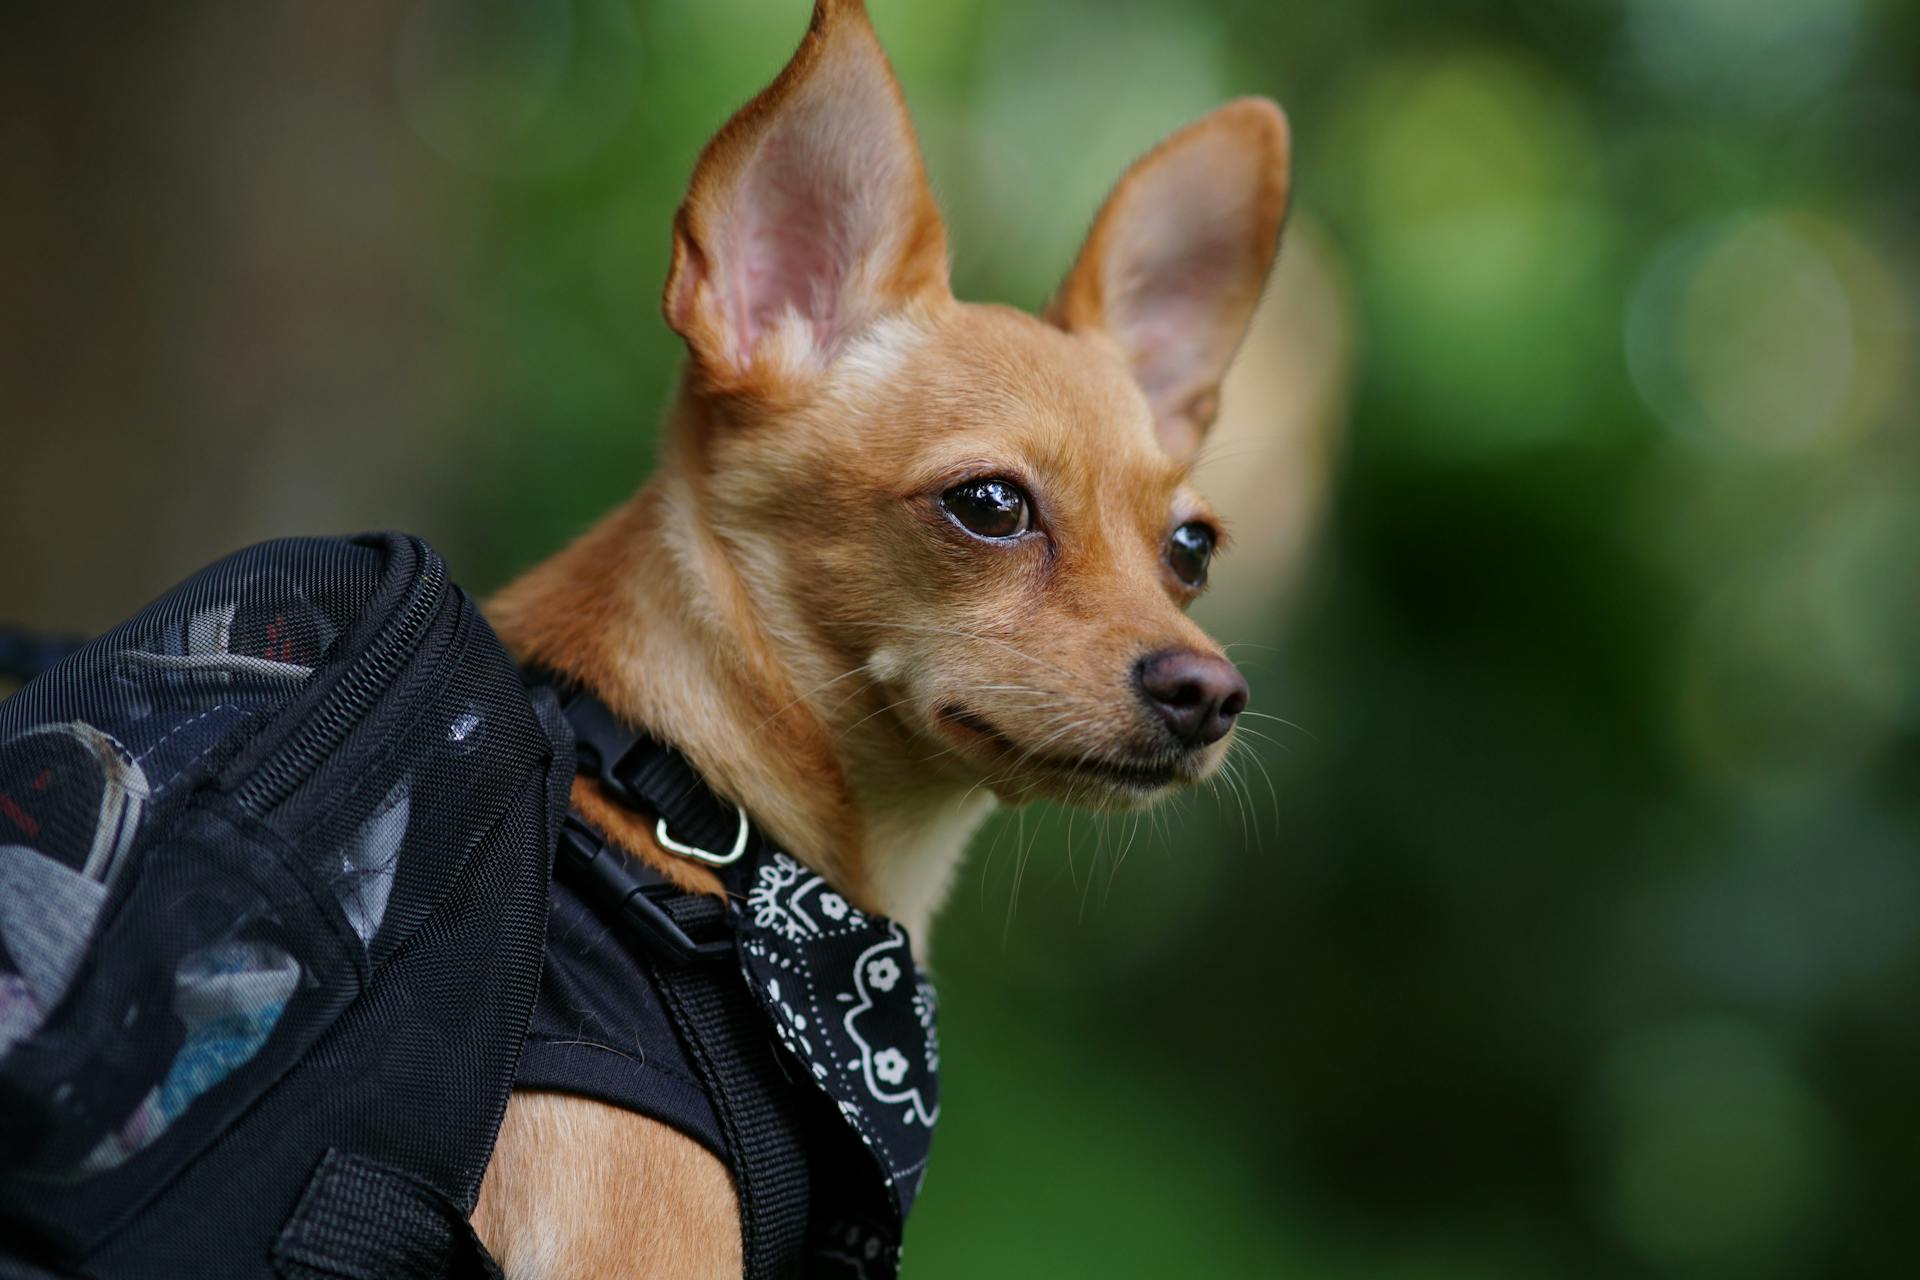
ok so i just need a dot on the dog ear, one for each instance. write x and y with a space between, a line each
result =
1176 260
809 215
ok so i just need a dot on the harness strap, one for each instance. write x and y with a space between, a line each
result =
727 1038
689 943
360 1219
687 940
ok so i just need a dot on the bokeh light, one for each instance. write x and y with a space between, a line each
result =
1746 333
1805 663
1472 183
1720 1153
514 90
1763 57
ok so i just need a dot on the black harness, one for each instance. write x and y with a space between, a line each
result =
785 1030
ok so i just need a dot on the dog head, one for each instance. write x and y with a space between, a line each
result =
968 529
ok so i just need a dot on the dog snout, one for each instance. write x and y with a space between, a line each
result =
1196 695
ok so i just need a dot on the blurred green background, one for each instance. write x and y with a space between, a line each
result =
1569 926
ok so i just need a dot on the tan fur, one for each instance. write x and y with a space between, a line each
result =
578 1189
787 601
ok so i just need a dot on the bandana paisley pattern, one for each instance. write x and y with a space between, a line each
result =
842 991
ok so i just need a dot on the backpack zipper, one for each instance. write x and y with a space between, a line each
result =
348 702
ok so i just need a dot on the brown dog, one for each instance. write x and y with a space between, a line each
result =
905 557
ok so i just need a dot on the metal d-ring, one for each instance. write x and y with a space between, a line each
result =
702 855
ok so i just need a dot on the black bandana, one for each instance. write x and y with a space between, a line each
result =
847 1000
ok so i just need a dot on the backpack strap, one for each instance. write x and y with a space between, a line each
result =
360 1219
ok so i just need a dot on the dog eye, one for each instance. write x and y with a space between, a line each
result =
1188 551
989 508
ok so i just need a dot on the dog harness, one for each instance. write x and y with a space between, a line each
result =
785 1030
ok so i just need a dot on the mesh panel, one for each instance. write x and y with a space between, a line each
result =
280 838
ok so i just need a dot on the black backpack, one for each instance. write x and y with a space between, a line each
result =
274 868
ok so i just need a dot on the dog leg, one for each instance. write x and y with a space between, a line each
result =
579 1190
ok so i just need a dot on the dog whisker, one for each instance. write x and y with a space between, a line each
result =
1273 792
1264 737
1262 715
965 634
1231 772
1133 832
803 697
1019 870
898 702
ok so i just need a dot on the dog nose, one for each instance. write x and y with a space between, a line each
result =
1196 695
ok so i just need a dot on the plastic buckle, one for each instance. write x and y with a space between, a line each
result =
608 876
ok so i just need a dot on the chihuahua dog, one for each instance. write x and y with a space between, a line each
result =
904 558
